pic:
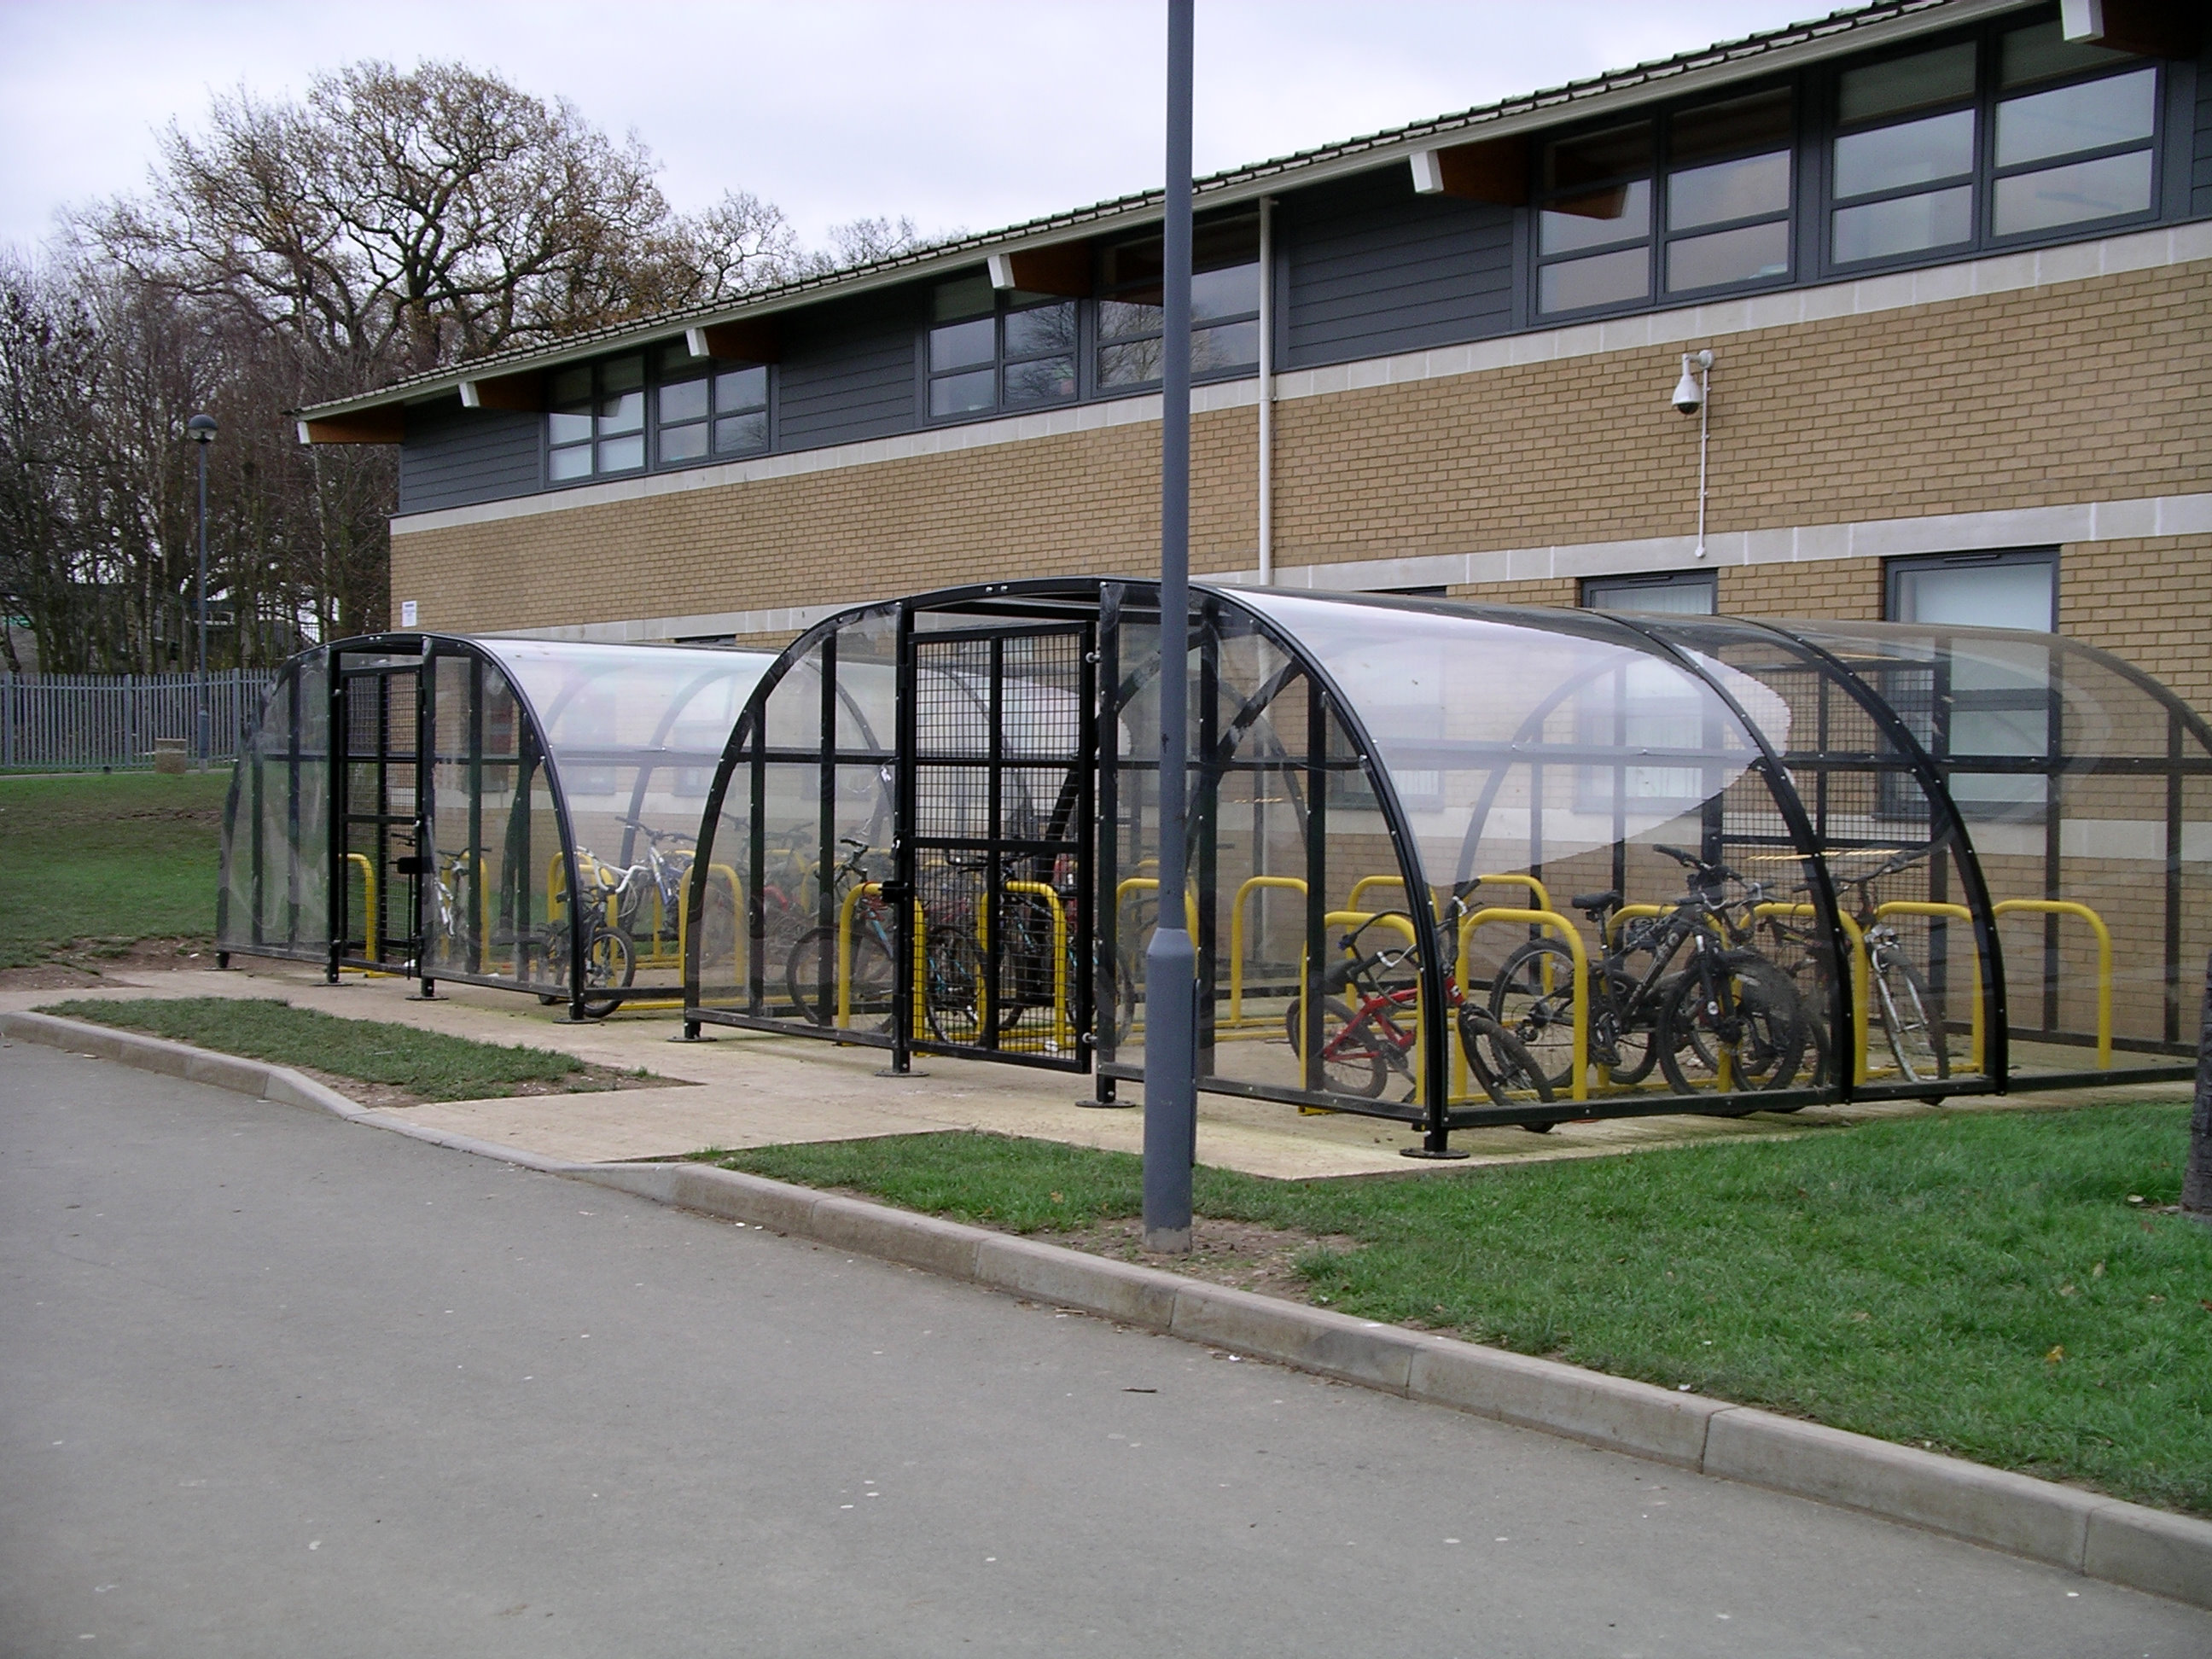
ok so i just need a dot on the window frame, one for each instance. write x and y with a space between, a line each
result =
1093 384
1987 38
655 378
1708 579
1950 701
1005 303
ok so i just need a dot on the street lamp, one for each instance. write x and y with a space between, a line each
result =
201 430
1170 980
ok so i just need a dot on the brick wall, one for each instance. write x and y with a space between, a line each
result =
2078 391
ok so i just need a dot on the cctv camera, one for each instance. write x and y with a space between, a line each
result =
1689 396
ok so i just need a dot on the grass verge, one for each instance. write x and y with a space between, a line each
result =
2000 1285
425 1065
92 862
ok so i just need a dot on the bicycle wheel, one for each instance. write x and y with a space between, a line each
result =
952 983
810 974
1911 1021
1501 1063
1752 1019
1351 1061
1533 998
609 964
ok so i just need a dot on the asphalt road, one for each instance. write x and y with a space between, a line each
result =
272 1383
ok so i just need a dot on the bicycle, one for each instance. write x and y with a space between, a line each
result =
866 940
1361 1047
1911 1018
1728 1010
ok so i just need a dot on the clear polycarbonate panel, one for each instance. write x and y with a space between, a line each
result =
795 927
276 836
633 734
2079 780
494 862
1889 853
1574 790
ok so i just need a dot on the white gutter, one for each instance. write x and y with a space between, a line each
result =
1266 390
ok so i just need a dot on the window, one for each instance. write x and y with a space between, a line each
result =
2070 152
1902 164
1594 223
1728 191
2071 143
1724 219
1669 592
598 420
1995 700
1225 305
702 407
989 351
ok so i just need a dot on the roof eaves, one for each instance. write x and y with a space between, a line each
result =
1754 55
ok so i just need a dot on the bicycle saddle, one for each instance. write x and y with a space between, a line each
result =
1591 904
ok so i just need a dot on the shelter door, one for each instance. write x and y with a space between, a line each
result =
998 840
380 813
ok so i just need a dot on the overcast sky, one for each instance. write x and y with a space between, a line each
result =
968 113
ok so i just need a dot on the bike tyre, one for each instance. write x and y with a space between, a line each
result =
1352 1060
1542 1021
1776 1008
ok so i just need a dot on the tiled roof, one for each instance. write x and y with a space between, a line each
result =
1246 182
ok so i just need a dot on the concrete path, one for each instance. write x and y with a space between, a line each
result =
275 1386
754 1089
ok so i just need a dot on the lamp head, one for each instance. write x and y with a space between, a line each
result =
201 428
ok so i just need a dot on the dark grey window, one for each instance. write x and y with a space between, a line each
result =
1594 220
1993 700
1728 191
597 423
1225 305
702 407
1902 163
992 351
1713 181
1911 170
1674 593
2069 150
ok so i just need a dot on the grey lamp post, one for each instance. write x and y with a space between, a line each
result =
1171 977
201 430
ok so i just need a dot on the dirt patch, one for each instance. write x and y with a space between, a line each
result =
1243 1255
96 961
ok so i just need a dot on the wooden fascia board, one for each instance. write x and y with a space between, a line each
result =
385 425
1494 170
524 393
1061 268
744 341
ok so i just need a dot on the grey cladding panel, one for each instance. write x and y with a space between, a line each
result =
1375 268
453 457
2199 178
847 373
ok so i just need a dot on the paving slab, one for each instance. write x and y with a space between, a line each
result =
747 1088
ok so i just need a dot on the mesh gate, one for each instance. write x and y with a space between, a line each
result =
379 916
1000 837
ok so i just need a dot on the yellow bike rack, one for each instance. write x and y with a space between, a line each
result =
1857 937
1256 883
1355 919
369 912
1152 885
1578 1080
1953 913
2069 908
1063 1028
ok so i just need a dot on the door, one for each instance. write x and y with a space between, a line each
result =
997 841
379 816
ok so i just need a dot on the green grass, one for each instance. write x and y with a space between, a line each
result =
110 860
425 1063
1977 1283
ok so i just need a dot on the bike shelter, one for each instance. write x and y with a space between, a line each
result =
425 805
1681 864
